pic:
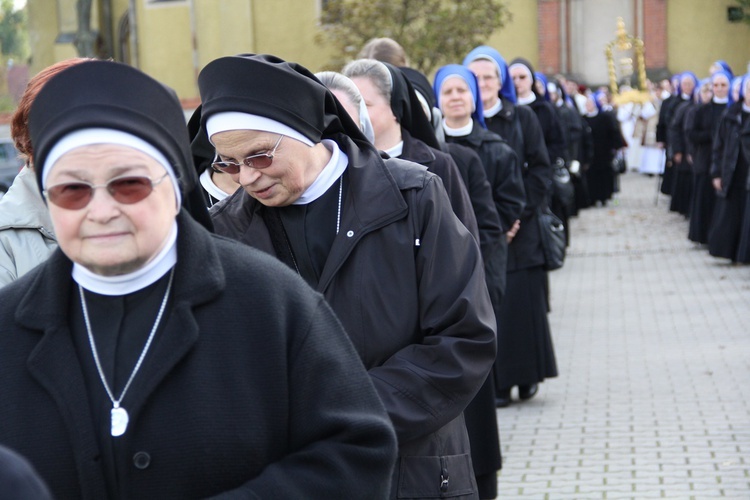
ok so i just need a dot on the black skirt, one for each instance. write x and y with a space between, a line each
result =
682 192
704 199
525 354
729 213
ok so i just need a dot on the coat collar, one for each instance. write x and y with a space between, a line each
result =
416 150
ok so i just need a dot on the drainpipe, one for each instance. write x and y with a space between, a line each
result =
106 27
133 34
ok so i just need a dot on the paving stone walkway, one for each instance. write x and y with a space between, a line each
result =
652 337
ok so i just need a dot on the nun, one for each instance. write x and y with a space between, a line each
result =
729 235
666 112
148 358
705 125
682 179
607 139
525 354
350 98
377 237
405 132
516 124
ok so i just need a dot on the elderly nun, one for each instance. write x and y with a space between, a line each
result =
377 238
147 358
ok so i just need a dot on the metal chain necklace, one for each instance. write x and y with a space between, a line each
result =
338 212
118 415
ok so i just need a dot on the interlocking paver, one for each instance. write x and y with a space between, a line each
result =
651 336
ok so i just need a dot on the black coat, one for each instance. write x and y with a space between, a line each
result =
731 135
405 278
678 133
250 381
480 193
443 166
705 125
520 127
503 172
551 129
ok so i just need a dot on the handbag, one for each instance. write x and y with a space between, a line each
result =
562 187
619 165
553 239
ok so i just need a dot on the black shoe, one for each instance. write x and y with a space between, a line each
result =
502 398
527 391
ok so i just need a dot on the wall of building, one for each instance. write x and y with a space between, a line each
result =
699 33
518 38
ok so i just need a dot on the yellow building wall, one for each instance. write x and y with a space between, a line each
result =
164 47
698 33
45 25
518 38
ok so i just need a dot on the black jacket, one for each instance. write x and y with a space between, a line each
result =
405 278
480 193
551 129
250 381
732 135
443 166
678 133
705 125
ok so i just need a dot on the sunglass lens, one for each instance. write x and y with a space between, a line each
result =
71 196
227 168
130 189
262 161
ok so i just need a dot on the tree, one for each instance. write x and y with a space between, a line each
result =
12 31
432 32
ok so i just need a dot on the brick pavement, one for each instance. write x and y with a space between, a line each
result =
652 337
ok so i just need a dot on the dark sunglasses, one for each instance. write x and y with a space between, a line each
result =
126 190
257 161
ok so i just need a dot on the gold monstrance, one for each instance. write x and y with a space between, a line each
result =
620 53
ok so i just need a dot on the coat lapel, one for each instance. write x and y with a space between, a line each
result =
55 366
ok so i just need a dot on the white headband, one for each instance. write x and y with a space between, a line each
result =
90 136
234 120
525 69
492 60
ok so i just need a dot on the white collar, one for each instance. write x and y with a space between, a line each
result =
328 176
685 97
721 100
125 284
528 99
593 113
458 132
494 109
745 108
396 150
211 188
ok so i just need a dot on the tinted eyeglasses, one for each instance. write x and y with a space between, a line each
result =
127 190
257 161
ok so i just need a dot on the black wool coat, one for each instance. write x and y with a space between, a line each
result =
705 125
442 165
251 389
405 278
731 135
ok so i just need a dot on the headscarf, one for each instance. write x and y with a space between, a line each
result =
261 85
691 75
744 86
724 67
675 80
597 99
519 61
149 118
507 89
540 77
721 73
408 110
458 71
697 93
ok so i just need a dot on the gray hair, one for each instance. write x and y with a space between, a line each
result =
337 81
373 70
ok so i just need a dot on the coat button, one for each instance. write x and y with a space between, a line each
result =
350 233
141 460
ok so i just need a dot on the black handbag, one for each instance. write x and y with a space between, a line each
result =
619 164
553 239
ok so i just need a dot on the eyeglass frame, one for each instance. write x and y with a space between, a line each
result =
248 160
94 187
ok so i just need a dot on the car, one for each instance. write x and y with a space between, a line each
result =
10 164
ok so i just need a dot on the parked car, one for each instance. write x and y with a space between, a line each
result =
10 164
